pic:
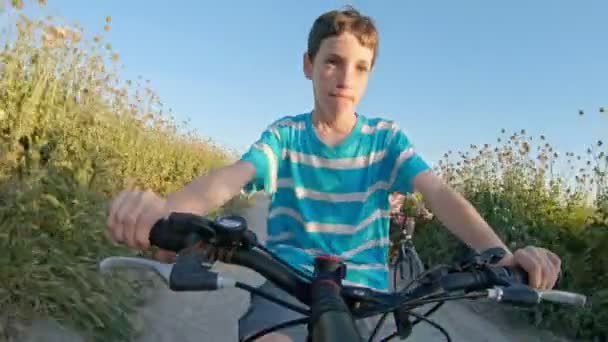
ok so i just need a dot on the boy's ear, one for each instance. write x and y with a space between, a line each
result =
307 65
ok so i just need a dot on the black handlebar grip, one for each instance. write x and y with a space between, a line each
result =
464 280
514 274
480 279
163 236
181 230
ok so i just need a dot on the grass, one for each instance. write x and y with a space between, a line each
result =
72 135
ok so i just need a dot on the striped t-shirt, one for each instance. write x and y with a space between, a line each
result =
333 200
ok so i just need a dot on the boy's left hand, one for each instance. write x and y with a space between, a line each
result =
542 265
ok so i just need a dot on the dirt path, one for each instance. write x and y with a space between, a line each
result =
213 316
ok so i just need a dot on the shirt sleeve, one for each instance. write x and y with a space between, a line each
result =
264 155
405 162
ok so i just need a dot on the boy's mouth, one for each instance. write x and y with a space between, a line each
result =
341 96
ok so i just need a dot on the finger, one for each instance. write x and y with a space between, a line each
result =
548 269
147 219
529 263
556 263
125 216
141 233
137 209
114 223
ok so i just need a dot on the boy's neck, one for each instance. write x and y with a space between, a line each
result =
333 129
328 123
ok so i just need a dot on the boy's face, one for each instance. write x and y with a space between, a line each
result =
339 73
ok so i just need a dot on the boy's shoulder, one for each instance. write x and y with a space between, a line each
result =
387 132
374 124
295 121
386 129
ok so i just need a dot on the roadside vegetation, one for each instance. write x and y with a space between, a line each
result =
73 134
531 194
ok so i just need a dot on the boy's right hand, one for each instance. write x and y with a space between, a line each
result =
131 217
133 212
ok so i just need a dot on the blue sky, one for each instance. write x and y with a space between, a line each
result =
451 73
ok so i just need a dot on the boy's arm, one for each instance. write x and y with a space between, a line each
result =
456 213
410 172
460 217
256 170
209 192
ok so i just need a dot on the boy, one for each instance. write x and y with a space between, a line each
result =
330 172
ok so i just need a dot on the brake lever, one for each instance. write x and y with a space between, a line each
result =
163 270
487 257
191 271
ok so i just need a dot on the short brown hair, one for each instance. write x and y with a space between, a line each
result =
336 22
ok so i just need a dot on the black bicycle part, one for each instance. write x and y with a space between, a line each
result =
330 319
277 327
335 305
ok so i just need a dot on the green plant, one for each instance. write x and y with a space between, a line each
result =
526 191
71 136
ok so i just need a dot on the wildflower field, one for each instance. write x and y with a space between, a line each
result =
515 184
72 134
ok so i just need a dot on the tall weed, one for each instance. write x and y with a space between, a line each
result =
532 195
72 134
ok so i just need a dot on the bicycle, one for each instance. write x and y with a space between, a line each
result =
332 306
404 260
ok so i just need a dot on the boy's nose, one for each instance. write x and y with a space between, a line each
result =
345 78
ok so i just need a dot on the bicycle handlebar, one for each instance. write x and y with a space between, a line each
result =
200 241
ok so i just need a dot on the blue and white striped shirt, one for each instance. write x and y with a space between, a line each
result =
333 200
